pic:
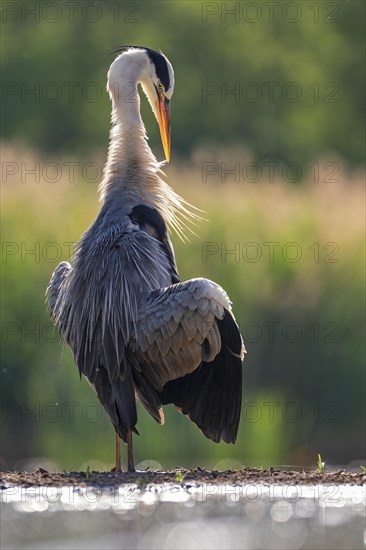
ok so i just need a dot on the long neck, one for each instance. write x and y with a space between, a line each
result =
131 174
131 171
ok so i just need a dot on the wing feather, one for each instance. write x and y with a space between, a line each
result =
211 395
95 301
179 324
169 345
53 288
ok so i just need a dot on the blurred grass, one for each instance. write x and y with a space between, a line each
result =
313 372
321 54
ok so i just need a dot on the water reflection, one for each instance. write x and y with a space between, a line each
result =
176 517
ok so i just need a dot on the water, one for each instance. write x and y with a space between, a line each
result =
174 517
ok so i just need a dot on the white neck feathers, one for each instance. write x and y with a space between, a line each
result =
131 173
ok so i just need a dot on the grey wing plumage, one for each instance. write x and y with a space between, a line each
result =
176 329
98 348
94 304
54 285
190 351
132 330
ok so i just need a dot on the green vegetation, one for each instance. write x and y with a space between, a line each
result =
179 476
320 464
301 321
290 256
285 82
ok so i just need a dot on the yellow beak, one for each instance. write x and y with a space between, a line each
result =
163 110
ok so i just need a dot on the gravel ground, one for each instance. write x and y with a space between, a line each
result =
195 477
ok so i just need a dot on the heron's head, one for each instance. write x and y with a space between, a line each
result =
155 74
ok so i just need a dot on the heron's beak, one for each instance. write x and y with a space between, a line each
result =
163 110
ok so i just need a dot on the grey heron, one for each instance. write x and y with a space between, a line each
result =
134 328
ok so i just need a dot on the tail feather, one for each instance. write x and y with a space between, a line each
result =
148 397
118 399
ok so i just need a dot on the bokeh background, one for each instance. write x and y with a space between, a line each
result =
268 140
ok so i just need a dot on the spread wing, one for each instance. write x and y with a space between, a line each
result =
190 353
183 346
177 329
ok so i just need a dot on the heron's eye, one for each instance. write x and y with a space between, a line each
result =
160 86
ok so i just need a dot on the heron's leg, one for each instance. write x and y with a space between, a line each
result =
118 454
130 457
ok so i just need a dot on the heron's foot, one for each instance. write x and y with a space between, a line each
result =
116 470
